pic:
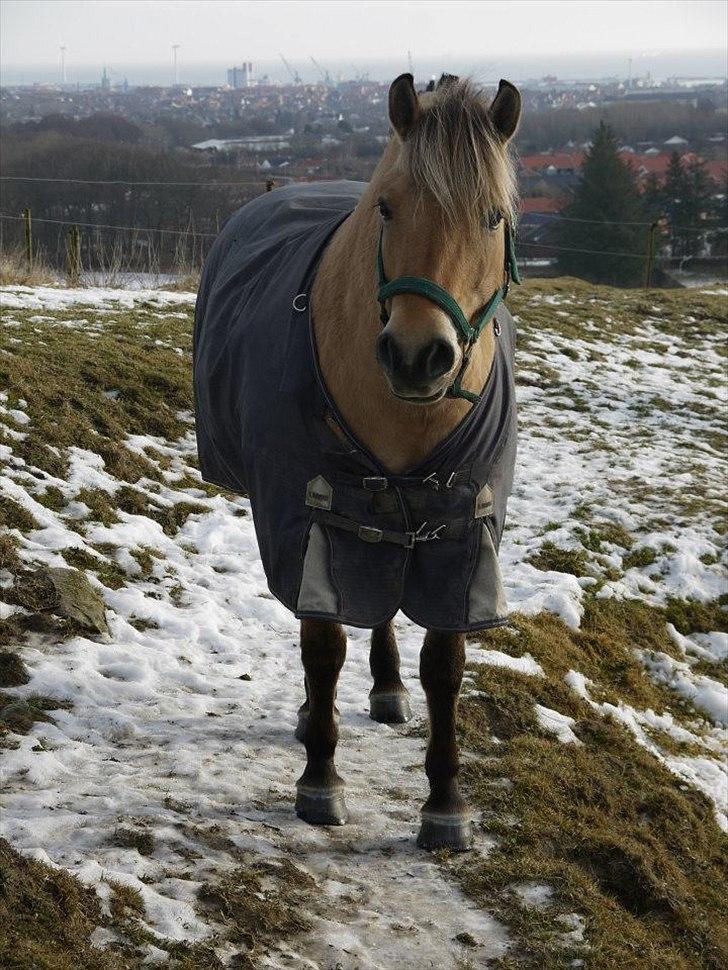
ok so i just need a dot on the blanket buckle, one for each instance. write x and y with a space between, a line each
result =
369 533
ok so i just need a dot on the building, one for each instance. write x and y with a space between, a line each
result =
241 77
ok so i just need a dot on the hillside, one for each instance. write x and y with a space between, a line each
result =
149 768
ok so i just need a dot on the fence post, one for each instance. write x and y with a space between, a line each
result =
650 256
28 238
73 256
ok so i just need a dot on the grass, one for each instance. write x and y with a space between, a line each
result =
620 839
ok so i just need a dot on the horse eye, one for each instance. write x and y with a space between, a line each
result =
384 210
494 220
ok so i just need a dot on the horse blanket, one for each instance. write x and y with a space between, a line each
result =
339 537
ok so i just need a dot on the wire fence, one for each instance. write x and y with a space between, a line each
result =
195 235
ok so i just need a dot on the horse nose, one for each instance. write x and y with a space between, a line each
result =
389 354
428 363
434 360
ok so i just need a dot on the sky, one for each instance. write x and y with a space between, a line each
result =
142 31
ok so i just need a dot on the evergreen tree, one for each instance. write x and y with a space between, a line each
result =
608 200
687 201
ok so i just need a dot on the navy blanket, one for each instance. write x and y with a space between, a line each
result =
339 538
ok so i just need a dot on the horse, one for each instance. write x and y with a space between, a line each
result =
353 375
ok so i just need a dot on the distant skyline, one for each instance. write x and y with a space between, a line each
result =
136 33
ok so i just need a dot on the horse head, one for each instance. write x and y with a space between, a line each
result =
445 191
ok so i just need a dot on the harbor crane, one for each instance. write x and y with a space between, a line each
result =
325 76
294 74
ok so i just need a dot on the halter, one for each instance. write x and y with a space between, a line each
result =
440 297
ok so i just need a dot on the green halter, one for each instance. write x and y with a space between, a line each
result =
436 294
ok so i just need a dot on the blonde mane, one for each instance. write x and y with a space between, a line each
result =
454 154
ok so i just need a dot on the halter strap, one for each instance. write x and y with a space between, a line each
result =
421 286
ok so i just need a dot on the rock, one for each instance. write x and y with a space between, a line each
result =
78 600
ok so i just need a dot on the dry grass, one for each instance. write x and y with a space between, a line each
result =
14 271
620 839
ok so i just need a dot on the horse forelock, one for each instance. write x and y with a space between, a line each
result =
454 154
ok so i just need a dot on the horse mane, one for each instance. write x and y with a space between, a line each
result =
455 154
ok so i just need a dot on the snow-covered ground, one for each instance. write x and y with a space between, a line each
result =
182 718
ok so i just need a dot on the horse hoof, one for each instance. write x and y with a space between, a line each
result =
321 806
440 831
390 707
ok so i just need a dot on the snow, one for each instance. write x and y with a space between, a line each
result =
165 732
558 724
52 298
521 665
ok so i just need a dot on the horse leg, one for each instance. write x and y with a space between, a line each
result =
300 732
445 820
388 698
320 790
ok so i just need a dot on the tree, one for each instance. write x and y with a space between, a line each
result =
687 201
607 212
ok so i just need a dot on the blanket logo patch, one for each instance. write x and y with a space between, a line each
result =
319 493
484 502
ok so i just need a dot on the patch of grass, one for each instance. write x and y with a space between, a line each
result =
14 516
140 839
48 918
601 532
690 616
109 572
52 498
619 839
259 904
70 406
9 553
552 557
101 505
18 715
13 672
640 557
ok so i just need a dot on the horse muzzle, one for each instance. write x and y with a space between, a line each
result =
420 374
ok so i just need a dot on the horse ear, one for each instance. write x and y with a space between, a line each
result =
404 108
505 110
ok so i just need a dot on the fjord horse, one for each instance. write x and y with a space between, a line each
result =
438 207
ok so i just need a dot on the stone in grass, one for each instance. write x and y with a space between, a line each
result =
65 592
78 600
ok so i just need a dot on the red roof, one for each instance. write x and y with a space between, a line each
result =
558 160
542 204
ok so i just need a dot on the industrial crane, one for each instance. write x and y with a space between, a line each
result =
294 74
325 76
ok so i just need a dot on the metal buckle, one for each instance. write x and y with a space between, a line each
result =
421 536
451 479
370 534
433 480
375 483
297 301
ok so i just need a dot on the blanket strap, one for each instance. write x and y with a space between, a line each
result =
369 533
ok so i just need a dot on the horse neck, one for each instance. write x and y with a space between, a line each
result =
346 325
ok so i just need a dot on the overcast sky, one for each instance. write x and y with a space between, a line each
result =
141 31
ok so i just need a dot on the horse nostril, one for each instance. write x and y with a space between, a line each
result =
388 353
436 359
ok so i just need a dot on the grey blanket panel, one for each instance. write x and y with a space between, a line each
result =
261 413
